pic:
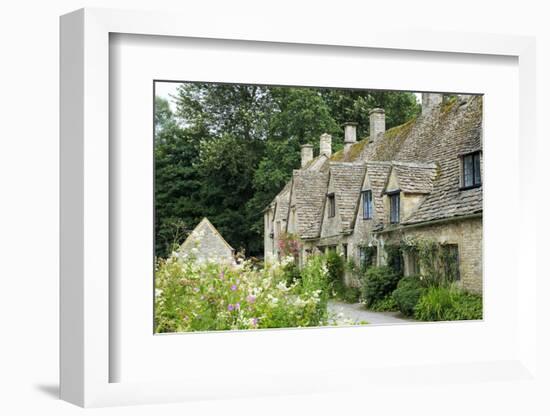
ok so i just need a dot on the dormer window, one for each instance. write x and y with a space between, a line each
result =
471 170
331 205
394 207
367 204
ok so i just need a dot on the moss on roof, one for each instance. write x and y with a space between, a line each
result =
392 140
447 106
353 153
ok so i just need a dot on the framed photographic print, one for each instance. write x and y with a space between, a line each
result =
245 206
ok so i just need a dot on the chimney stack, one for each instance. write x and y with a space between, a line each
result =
325 145
377 121
430 101
307 154
350 135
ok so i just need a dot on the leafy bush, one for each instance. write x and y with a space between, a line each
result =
377 283
204 297
336 268
387 304
291 272
448 304
408 292
394 258
351 294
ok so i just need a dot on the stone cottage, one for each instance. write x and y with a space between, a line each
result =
420 180
205 243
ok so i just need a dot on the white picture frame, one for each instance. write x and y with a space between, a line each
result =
86 356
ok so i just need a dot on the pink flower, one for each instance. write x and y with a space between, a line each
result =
222 275
237 306
233 287
251 299
254 321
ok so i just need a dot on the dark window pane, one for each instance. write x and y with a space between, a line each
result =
451 262
367 204
394 208
331 206
468 171
477 170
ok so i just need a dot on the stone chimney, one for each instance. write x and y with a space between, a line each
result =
307 154
350 135
377 121
325 145
430 101
463 98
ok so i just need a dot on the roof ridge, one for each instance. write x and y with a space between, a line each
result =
423 165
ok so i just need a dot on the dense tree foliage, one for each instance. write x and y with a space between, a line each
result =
228 149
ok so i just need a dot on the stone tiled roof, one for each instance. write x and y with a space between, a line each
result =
415 178
427 149
438 137
308 195
457 130
377 173
347 179
282 201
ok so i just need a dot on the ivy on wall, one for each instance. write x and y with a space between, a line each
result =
437 263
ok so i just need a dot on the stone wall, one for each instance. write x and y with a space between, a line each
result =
467 234
205 244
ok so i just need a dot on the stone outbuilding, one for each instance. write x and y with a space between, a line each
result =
420 180
206 244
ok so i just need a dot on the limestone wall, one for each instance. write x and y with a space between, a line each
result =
467 234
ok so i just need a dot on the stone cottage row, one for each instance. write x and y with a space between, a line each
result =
421 180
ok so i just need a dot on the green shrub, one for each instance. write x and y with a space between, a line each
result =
210 296
394 258
377 283
408 292
291 272
448 304
351 294
336 268
387 304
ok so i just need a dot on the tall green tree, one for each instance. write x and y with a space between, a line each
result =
177 185
229 149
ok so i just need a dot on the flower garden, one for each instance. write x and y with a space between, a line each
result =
203 297
209 296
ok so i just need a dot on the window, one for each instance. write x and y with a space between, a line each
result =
394 208
367 205
471 170
331 205
367 256
345 251
413 266
450 260
330 249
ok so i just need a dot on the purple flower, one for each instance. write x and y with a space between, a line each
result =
251 299
254 321
230 307
234 287
237 306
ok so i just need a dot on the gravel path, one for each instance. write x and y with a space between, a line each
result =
342 313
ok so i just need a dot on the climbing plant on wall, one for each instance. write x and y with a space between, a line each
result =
438 263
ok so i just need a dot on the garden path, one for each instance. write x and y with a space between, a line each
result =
341 313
